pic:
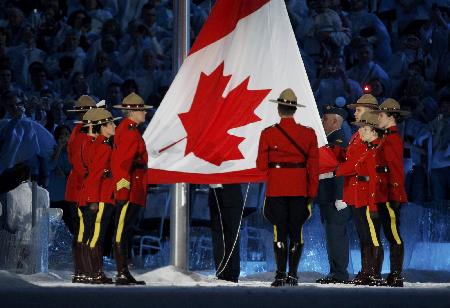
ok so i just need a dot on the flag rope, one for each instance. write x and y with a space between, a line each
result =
223 234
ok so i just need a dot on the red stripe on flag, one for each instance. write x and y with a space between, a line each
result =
223 19
158 176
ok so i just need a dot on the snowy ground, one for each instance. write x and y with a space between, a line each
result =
167 287
169 276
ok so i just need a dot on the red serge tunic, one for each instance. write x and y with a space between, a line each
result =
371 186
355 149
129 164
76 176
274 147
99 185
86 153
393 152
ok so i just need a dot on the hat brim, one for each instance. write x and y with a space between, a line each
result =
145 107
403 113
371 106
101 122
361 124
285 104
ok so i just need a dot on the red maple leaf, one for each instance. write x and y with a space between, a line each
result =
211 117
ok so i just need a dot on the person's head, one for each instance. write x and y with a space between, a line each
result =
148 59
129 86
28 35
106 129
38 77
77 19
368 133
376 87
66 65
286 111
134 108
109 43
5 77
148 13
358 5
334 66
79 84
365 54
332 118
90 5
363 104
61 134
389 113
71 41
114 93
101 60
14 16
13 104
111 27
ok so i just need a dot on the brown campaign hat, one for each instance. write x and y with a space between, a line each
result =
390 105
83 104
98 116
133 102
367 100
367 119
287 98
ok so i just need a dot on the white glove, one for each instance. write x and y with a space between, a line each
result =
340 205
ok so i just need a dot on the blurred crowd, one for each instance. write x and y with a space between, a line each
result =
54 51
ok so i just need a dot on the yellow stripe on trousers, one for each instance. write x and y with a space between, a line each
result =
309 206
373 233
123 213
275 234
393 224
81 228
98 225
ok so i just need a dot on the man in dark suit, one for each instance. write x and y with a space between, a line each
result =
225 205
334 212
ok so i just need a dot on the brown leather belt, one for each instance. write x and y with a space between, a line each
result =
286 165
382 169
139 166
361 178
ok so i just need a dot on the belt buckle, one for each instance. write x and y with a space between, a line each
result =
277 166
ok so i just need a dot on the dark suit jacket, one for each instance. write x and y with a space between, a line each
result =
331 189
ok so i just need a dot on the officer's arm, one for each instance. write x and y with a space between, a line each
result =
394 159
262 161
123 157
312 166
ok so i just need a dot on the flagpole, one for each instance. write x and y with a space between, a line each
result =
179 214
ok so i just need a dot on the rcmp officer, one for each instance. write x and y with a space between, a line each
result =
288 152
371 187
98 189
75 178
388 114
349 158
334 212
225 207
129 169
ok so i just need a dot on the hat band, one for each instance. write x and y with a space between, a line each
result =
286 101
389 109
96 122
84 107
133 105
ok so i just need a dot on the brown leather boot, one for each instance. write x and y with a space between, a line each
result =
99 276
79 275
395 279
281 255
124 276
86 263
378 254
366 275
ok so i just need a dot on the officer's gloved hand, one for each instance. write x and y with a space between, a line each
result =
340 205
93 207
121 202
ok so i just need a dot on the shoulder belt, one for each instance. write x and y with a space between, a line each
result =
295 144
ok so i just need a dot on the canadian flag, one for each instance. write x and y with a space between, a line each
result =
208 125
